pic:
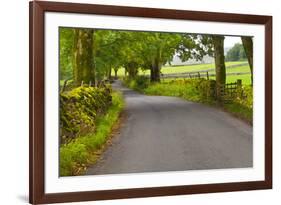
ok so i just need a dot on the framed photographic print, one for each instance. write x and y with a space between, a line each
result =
138 102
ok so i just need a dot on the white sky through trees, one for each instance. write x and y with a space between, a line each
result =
230 41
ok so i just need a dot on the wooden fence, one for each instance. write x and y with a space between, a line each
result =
229 91
206 73
195 75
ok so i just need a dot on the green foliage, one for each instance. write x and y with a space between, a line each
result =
79 109
195 46
107 52
138 83
159 47
113 49
242 105
66 36
236 53
245 96
76 155
197 90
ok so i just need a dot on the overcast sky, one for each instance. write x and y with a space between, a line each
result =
230 41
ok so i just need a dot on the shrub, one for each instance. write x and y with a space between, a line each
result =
245 96
138 83
198 90
242 104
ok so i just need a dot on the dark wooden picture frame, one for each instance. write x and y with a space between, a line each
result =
37 95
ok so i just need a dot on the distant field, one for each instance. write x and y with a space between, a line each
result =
246 79
191 68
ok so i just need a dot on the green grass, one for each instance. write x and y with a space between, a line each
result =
240 111
185 91
244 68
76 155
246 79
191 68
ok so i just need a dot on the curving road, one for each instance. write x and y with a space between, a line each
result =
171 134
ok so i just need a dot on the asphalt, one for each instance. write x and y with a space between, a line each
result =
171 134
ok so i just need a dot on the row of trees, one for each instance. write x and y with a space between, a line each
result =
89 55
236 53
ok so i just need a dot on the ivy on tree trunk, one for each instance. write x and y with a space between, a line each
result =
132 69
248 47
156 67
155 72
109 72
83 66
218 42
116 73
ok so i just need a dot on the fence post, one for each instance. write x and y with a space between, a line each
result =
64 85
82 82
198 74
213 88
239 82
207 75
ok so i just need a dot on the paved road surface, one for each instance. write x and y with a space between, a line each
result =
171 134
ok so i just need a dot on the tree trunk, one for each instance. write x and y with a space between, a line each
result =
115 73
132 69
218 42
109 73
248 47
151 73
126 72
155 71
83 66
93 74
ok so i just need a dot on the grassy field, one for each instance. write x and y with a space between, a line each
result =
246 78
191 68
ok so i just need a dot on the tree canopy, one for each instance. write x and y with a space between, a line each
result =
66 39
109 49
236 53
89 55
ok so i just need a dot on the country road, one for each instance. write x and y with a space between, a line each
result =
170 134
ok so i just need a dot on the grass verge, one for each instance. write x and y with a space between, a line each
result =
240 111
185 91
84 150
